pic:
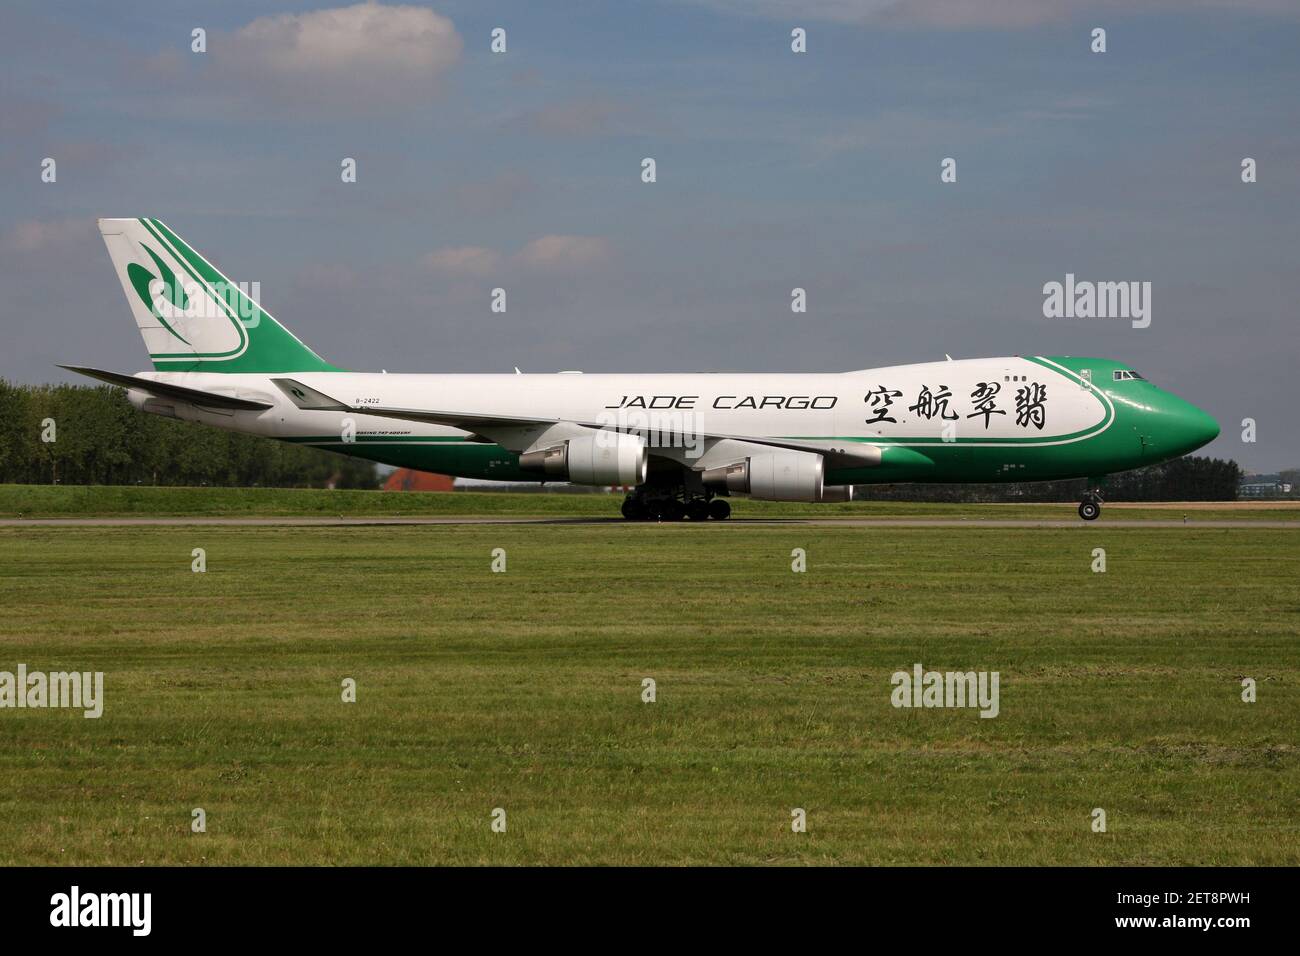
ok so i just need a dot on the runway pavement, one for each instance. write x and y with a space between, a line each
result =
342 522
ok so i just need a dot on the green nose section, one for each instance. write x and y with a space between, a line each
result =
1183 427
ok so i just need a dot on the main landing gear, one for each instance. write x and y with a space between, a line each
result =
660 504
1090 507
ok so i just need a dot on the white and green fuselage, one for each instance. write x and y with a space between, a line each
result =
220 359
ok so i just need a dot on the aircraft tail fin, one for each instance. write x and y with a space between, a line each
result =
191 316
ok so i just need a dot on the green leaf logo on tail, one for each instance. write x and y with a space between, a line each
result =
141 278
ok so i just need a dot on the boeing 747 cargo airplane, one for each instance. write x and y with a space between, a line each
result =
683 443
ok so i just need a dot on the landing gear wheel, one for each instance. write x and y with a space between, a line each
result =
634 509
672 510
1089 510
719 510
698 510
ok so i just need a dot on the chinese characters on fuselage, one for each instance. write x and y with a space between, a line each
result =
986 400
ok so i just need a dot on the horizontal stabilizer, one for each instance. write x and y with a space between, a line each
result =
180 393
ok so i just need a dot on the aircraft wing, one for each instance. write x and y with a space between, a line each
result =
309 399
194 396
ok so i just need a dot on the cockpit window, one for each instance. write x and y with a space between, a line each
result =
1127 375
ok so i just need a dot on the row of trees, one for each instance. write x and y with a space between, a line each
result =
1183 479
100 439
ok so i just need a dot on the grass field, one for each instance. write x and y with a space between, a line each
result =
522 690
62 501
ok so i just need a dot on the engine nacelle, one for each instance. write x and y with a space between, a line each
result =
780 475
837 493
601 458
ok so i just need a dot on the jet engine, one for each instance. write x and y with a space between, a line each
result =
837 493
779 475
601 458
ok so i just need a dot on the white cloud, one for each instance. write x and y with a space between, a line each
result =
463 260
551 253
364 36
564 252
974 14
369 53
36 235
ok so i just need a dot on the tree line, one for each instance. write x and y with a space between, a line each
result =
1182 479
99 438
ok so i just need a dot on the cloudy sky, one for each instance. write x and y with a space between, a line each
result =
775 170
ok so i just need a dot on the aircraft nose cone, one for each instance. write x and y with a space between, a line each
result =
1210 426
1190 427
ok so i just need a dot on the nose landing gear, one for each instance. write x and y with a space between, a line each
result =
1090 507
